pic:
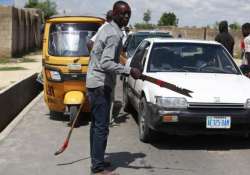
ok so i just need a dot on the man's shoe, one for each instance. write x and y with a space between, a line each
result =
105 172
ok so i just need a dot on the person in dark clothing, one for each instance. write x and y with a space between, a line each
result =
225 38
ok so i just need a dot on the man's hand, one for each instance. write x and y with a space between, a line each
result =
135 73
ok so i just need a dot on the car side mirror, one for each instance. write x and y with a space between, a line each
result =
245 69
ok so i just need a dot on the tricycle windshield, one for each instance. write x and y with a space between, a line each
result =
70 39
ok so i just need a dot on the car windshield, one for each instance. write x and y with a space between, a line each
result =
137 38
190 57
70 39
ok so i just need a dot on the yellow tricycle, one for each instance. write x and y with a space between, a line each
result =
65 62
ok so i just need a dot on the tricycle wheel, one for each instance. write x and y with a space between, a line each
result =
72 113
54 115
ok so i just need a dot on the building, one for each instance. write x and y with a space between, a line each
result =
19 31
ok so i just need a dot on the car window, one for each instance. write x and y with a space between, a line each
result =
135 40
190 57
137 58
144 56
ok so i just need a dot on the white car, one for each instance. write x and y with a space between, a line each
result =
219 97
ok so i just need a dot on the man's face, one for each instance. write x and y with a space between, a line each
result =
121 15
244 32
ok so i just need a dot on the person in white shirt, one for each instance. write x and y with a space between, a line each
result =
246 34
108 20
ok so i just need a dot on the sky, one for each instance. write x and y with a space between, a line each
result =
7 2
189 12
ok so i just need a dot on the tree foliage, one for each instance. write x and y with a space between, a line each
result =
48 7
235 26
168 19
146 26
147 16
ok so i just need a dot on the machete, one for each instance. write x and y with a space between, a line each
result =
167 85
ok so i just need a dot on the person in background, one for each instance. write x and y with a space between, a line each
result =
92 40
125 32
246 34
242 51
225 38
101 78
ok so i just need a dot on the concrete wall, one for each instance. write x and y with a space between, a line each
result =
19 31
15 98
5 31
199 33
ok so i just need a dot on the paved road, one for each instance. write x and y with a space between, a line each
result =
29 150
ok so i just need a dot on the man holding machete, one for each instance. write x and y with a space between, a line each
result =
101 76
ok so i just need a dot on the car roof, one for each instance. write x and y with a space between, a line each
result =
174 40
150 32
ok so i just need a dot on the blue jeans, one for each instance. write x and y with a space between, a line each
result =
100 101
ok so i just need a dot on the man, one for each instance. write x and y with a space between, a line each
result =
246 34
225 38
101 76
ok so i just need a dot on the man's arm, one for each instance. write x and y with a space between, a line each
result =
110 52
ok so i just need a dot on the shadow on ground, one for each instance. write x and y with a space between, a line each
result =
82 120
198 142
201 142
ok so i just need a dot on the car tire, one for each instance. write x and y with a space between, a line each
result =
127 106
146 134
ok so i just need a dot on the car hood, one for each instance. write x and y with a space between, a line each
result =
206 87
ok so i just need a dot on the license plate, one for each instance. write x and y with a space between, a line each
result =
223 122
74 66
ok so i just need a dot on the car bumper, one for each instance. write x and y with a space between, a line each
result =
193 121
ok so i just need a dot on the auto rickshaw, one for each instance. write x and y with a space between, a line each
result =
65 62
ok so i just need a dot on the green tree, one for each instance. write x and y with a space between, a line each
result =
235 26
48 7
31 4
144 26
147 16
168 19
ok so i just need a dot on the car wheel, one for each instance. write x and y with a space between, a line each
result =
127 105
145 133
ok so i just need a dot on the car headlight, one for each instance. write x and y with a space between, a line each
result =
247 104
171 102
53 75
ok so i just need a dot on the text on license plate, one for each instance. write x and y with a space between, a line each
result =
223 122
74 66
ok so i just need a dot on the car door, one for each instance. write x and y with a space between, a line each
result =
137 61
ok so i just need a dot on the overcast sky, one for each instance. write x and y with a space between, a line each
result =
189 12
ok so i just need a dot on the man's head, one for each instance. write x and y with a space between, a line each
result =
245 29
121 13
223 26
109 16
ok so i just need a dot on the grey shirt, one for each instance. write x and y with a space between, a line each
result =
104 58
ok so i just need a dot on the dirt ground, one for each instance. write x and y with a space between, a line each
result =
26 68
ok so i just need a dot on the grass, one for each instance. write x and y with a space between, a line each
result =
16 60
26 60
11 68
4 60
